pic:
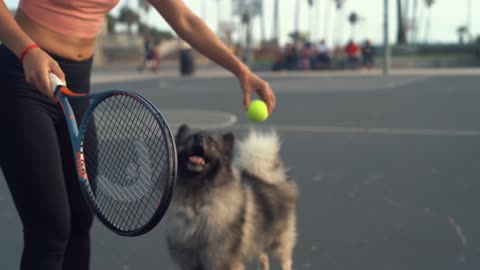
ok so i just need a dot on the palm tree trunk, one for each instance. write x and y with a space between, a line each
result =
262 25
469 18
275 26
386 45
340 23
427 27
311 19
406 18
401 34
414 21
297 16
204 10
219 19
328 9
317 14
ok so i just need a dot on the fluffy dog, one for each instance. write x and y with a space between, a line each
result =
233 203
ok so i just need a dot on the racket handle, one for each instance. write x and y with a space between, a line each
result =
55 81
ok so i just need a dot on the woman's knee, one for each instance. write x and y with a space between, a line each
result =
48 239
82 225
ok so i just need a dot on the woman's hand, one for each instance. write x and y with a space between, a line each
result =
252 83
36 65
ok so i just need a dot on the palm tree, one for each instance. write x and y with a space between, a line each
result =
328 12
339 4
401 33
429 4
314 21
469 18
414 21
297 16
144 7
128 17
353 20
263 31
469 13
462 32
246 21
111 21
312 18
276 22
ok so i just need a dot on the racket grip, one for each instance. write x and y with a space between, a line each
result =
55 81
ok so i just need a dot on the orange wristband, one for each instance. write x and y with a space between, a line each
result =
27 49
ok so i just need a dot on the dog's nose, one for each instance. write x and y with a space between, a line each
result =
199 138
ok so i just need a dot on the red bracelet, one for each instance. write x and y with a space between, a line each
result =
27 49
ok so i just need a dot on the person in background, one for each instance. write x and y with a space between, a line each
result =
148 52
353 53
306 56
368 54
323 54
291 57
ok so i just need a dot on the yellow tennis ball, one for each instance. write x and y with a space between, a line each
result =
257 111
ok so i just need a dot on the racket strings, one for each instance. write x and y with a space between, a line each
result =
128 209
127 161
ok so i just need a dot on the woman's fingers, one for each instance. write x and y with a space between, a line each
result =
246 97
251 83
268 97
55 68
37 64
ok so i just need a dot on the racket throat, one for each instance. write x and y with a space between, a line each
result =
81 169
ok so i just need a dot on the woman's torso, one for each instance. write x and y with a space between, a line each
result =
70 47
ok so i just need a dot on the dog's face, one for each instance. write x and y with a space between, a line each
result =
201 153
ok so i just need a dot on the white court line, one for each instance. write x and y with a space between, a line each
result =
362 130
133 75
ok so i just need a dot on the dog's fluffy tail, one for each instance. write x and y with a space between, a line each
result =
259 155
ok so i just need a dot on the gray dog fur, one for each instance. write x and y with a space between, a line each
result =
234 202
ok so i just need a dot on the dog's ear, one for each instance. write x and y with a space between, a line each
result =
228 143
182 132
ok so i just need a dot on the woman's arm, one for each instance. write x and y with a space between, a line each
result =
36 63
10 32
194 31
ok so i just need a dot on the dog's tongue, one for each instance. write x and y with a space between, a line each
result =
196 160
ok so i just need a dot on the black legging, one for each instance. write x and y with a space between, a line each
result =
37 162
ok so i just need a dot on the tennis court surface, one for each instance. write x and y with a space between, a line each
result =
388 168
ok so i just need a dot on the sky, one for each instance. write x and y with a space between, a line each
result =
323 21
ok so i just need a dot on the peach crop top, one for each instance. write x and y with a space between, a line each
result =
74 18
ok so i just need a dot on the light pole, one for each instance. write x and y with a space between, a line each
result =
297 16
469 17
219 19
275 21
204 10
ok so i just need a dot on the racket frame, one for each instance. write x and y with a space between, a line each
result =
63 94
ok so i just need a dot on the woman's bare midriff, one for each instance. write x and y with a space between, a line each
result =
77 49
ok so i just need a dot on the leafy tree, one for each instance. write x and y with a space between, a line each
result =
353 19
111 22
462 32
129 17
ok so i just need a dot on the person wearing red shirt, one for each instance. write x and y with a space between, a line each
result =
353 52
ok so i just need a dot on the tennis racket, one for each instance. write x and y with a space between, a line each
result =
125 156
